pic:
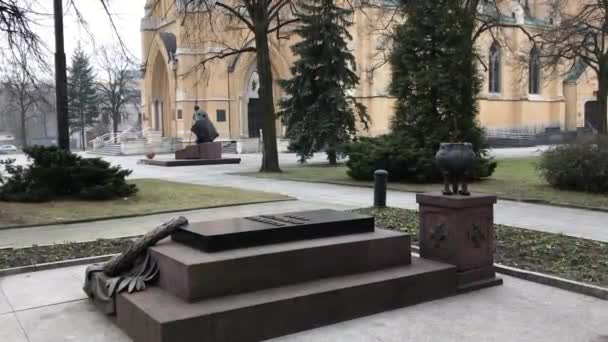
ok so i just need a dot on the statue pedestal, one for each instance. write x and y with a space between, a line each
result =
211 150
459 230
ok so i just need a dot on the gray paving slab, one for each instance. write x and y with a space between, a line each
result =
75 321
31 290
518 311
10 330
4 305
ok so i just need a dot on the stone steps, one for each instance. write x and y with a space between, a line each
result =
266 291
192 275
155 315
108 150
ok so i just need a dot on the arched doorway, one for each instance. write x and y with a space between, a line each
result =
592 115
160 96
254 114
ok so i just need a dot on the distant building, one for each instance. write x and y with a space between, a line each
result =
511 100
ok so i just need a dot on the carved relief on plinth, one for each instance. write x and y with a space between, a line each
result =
459 230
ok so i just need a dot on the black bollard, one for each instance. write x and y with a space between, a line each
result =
380 180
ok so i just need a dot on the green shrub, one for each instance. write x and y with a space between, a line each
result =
56 173
581 166
403 162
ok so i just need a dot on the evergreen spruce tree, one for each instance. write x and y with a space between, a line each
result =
435 81
82 94
319 113
435 76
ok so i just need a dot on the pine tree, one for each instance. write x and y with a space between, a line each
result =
82 94
319 113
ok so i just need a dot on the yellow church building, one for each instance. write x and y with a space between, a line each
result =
174 41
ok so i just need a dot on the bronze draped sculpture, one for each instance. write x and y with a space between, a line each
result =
203 128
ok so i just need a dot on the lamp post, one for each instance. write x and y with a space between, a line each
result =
61 80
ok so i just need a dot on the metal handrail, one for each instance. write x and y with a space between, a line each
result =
115 137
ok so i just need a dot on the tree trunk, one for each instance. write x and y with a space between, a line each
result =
23 130
45 125
115 123
602 100
82 132
270 157
332 156
61 81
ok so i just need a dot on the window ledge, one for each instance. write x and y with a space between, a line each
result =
535 97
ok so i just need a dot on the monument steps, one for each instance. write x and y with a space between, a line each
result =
192 275
156 315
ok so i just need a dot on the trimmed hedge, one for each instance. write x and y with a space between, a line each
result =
55 174
403 162
580 166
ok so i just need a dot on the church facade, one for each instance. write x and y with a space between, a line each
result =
514 98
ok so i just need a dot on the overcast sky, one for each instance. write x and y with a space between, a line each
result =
126 14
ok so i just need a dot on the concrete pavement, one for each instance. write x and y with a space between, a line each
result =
49 306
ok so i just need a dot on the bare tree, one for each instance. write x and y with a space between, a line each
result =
17 30
25 93
117 86
18 20
578 38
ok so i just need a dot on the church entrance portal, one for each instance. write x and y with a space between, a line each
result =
254 118
592 115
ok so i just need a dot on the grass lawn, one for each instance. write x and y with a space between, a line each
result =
154 196
515 179
563 256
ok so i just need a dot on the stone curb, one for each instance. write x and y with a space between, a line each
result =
564 284
96 219
503 198
545 279
55 265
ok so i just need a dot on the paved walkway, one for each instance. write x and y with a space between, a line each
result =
573 222
49 306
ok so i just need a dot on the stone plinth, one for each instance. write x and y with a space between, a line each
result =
459 230
212 150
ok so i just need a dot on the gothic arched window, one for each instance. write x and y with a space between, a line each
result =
534 72
494 75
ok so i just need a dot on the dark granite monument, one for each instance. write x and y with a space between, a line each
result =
268 229
209 150
261 277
